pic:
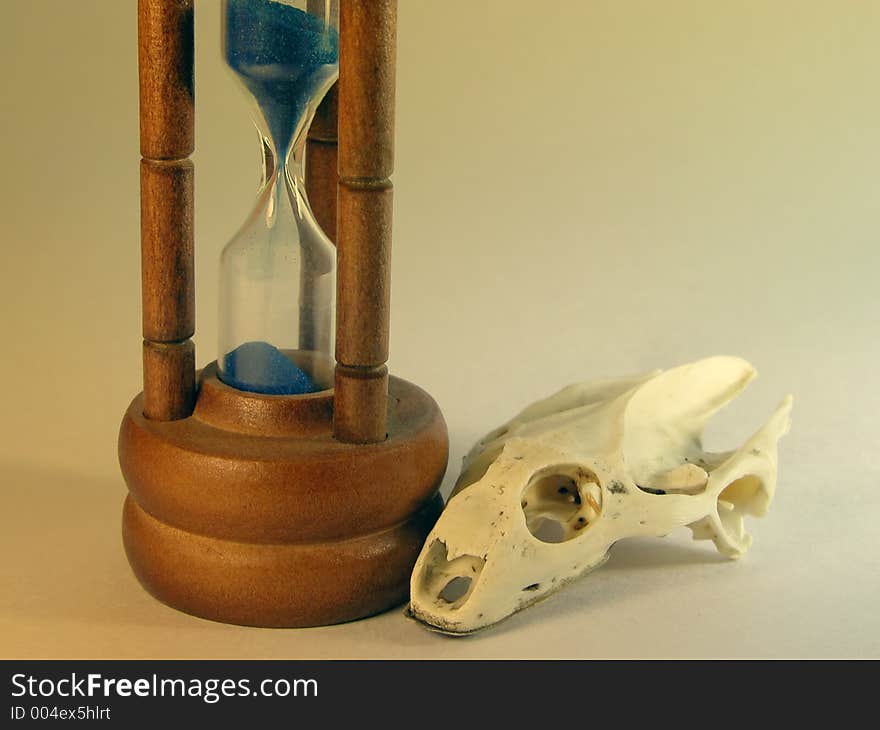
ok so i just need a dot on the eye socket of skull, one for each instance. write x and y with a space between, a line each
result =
561 501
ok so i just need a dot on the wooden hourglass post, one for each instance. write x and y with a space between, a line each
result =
367 58
167 119
322 157
322 160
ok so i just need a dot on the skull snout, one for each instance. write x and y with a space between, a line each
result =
449 583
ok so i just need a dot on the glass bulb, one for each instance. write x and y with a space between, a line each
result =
278 274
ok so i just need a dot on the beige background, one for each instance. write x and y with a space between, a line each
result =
583 189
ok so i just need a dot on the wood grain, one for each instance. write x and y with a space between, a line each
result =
364 265
367 61
322 162
168 290
229 523
367 58
167 125
360 401
165 62
169 380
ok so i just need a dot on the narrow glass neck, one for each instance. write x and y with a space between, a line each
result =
276 169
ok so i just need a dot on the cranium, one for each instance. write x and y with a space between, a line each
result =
542 499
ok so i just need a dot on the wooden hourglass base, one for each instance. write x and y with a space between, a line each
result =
249 512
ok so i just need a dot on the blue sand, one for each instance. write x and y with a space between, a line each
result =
258 367
278 52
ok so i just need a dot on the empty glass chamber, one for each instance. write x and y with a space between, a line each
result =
278 275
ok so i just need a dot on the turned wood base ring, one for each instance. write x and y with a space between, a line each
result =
249 512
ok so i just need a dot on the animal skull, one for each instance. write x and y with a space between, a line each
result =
542 499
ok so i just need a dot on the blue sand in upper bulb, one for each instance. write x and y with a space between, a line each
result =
283 56
258 367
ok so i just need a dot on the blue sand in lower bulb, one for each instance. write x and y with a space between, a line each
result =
258 367
283 56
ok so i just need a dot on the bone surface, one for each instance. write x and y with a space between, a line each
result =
541 500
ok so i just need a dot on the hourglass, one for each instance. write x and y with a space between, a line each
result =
292 481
